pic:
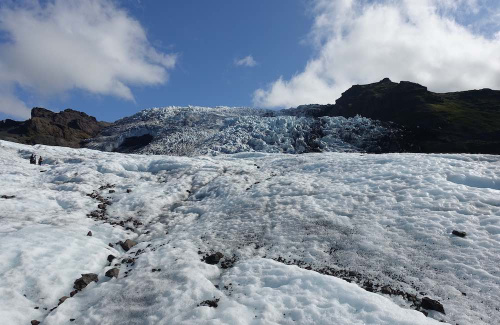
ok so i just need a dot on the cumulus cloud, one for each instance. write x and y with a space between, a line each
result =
360 41
247 61
59 45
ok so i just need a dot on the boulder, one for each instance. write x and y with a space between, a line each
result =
214 258
110 258
85 280
431 304
63 299
89 234
459 233
35 322
112 273
214 303
128 244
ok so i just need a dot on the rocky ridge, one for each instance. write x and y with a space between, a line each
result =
456 122
67 128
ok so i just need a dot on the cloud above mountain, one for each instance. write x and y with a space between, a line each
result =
55 46
434 42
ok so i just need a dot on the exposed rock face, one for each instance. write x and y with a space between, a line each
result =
67 128
467 121
132 144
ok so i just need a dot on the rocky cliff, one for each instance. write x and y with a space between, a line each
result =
467 121
67 128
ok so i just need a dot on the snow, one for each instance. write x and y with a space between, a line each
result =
194 130
386 218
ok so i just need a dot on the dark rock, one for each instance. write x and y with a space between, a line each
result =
459 233
89 234
110 258
74 292
112 273
210 303
214 258
35 322
7 197
71 319
387 290
430 304
128 244
110 245
63 299
85 280
67 128
128 260
37 307
96 214
111 191
132 144
129 190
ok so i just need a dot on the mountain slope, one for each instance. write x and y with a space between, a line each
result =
466 121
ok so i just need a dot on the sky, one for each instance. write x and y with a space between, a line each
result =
112 58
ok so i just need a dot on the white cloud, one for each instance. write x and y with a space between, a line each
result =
74 44
361 41
247 61
10 104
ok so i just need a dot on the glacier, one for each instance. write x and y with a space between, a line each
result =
194 130
284 223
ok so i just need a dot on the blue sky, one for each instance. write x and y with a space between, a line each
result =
112 58
207 36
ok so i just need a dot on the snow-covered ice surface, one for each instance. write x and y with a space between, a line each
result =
384 219
194 130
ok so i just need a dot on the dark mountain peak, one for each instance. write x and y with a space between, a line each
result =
410 86
41 112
